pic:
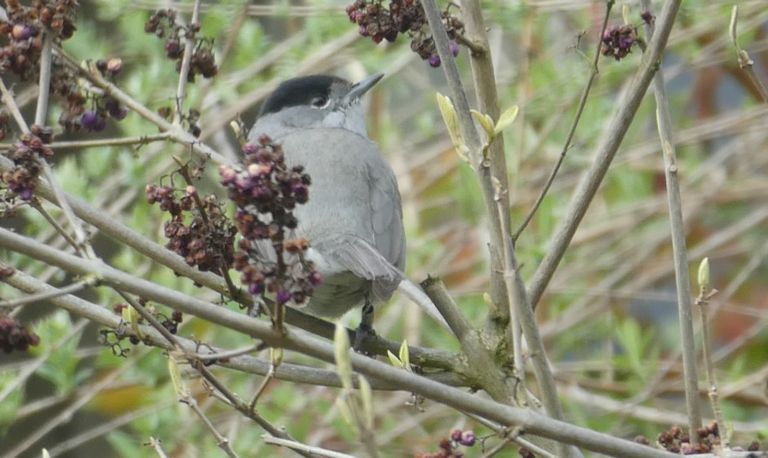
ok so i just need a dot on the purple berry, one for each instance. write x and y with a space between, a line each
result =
467 438
25 194
117 111
434 60
454 47
101 123
89 119
283 296
249 148
256 288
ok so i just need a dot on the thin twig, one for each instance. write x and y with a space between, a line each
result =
241 406
295 373
189 44
532 422
745 62
10 105
175 132
32 298
494 171
612 137
471 137
582 104
81 144
157 446
515 315
41 114
299 447
54 224
221 441
705 295
44 86
679 248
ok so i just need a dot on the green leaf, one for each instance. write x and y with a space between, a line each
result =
404 355
451 121
703 276
485 122
506 118
394 361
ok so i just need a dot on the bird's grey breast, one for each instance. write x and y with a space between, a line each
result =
353 218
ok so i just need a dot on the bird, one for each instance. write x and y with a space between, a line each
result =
353 219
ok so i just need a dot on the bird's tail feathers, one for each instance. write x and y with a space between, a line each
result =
417 295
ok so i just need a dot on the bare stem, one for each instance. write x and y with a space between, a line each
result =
308 449
189 44
745 62
714 397
679 248
606 150
46 295
471 137
10 105
569 139
44 86
532 422
221 441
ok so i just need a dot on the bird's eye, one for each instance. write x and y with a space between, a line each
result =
320 102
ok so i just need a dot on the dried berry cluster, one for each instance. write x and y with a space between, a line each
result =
266 191
198 230
618 41
676 440
27 155
403 16
449 447
23 29
163 24
21 56
15 336
77 114
172 323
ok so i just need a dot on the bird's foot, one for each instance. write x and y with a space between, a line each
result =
364 330
363 333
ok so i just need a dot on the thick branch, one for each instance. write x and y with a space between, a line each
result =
302 342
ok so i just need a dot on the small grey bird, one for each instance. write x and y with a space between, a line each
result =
353 219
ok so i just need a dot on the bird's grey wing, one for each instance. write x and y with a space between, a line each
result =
387 221
387 214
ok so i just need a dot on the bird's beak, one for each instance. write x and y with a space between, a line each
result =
361 87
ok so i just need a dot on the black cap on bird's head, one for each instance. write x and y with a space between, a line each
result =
317 91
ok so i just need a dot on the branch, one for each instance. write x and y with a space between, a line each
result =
582 103
492 175
612 137
302 342
189 44
175 131
679 249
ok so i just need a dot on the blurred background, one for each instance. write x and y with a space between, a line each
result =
609 315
